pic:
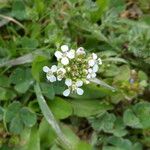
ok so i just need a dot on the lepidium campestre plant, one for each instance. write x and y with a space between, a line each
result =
75 66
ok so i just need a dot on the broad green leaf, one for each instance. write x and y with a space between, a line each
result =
83 146
18 10
22 79
12 111
37 66
123 74
121 144
86 108
92 91
61 108
4 81
130 119
72 137
142 111
28 117
6 94
48 90
23 87
16 125
47 134
34 141
103 123
28 43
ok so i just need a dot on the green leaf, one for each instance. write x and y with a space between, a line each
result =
37 66
28 43
102 6
123 74
34 141
4 81
48 90
61 108
72 137
22 79
142 111
83 146
27 117
104 123
16 125
7 94
50 117
86 108
130 119
1 113
18 10
121 144
12 111
47 134
92 91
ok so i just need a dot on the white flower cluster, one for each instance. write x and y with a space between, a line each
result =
76 67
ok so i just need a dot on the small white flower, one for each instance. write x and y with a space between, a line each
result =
91 74
66 92
65 61
80 51
99 61
58 55
65 55
78 89
71 54
68 82
64 48
94 56
50 73
73 87
91 62
95 68
60 74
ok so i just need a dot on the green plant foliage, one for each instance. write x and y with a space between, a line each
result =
34 114
18 117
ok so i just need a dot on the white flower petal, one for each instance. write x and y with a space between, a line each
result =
54 68
79 83
80 51
59 78
68 82
80 91
91 62
93 75
95 68
99 61
64 48
66 92
88 76
46 69
71 54
90 70
94 56
51 78
65 61
58 55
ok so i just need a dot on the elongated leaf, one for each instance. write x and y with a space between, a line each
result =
50 117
